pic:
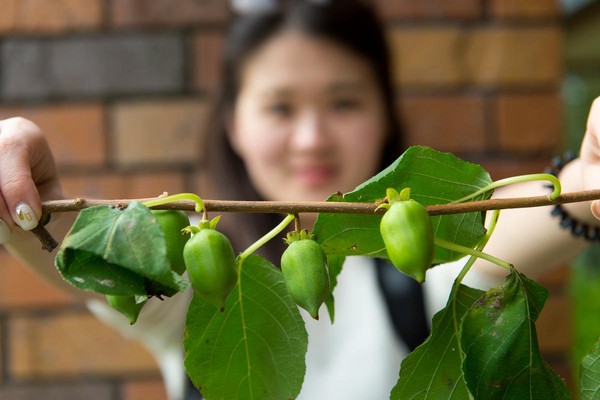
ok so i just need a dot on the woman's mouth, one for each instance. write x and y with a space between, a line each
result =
315 175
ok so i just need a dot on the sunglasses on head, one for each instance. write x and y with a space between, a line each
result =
266 6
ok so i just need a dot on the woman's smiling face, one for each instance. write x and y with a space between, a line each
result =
309 119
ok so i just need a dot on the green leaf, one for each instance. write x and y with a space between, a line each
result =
111 251
590 374
433 370
434 178
87 271
334 264
502 358
255 349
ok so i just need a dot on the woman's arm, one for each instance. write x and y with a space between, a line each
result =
28 176
25 247
530 238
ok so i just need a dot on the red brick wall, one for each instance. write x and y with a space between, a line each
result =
479 78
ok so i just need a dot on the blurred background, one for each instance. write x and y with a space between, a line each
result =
123 88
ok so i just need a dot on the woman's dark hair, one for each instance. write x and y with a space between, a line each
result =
354 25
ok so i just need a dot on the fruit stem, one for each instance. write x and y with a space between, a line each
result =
268 236
463 273
180 196
518 179
480 246
473 252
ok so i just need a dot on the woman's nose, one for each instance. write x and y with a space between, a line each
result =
310 132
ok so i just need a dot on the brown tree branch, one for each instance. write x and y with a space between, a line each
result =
297 207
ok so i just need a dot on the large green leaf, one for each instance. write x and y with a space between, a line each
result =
87 271
433 370
255 349
502 358
590 374
434 178
334 264
111 251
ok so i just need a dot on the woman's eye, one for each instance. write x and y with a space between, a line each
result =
280 109
345 104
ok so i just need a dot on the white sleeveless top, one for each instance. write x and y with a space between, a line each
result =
359 356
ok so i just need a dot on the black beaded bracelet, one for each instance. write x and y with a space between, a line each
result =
577 228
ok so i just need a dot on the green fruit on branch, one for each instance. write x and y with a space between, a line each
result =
304 270
210 263
129 306
172 223
407 234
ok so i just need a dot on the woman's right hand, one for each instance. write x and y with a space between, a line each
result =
27 175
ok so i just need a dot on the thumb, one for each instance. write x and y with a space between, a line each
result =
26 165
590 155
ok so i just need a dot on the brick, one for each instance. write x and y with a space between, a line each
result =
427 56
91 66
514 56
58 391
49 16
202 184
524 9
529 122
144 390
69 345
22 288
431 9
164 132
75 132
500 168
206 60
554 325
123 186
143 13
446 123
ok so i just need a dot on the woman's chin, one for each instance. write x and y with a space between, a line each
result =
301 191
321 194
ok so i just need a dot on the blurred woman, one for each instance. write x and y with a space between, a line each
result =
306 110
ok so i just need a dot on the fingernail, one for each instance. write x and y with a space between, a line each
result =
5 233
26 218
595 209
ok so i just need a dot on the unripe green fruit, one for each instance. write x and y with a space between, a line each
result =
126 305
408 236
211 266
304 270
172 222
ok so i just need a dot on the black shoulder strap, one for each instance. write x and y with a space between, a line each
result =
191 393
404 298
